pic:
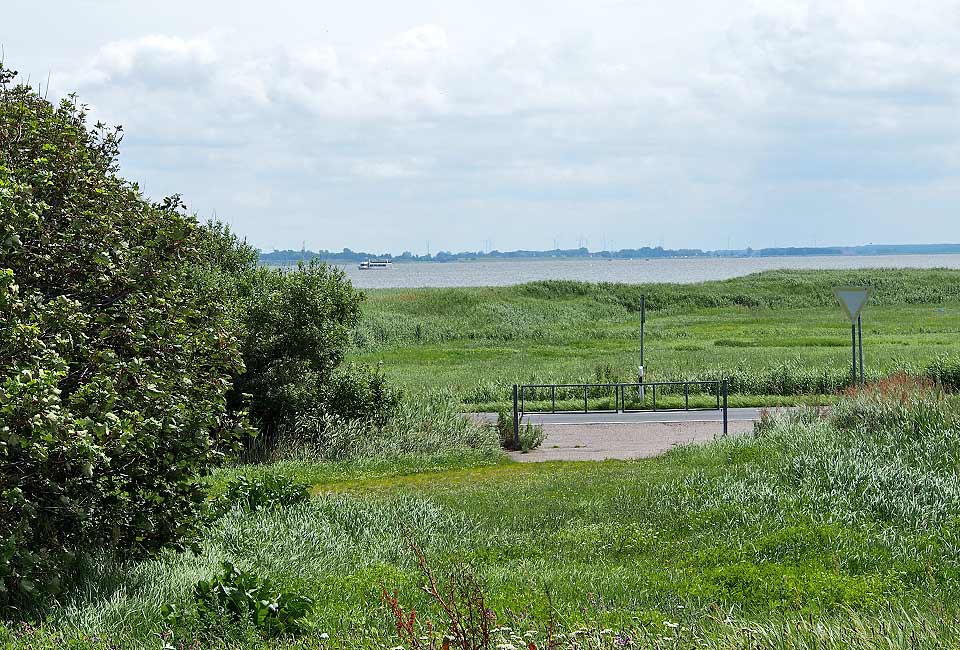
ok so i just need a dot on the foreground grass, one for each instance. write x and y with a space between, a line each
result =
813 533
781 335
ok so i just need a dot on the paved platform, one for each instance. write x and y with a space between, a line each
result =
602 436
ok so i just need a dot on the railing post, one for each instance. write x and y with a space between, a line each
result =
654 397
585 409
725 409
686 397
553 396
516 420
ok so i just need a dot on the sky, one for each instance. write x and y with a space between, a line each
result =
392 126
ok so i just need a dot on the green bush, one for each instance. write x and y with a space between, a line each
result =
244 596
114 361
359 392
531 436
296 330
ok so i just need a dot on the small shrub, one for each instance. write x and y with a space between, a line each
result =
505 428
359 392
529 436
244 596
296 331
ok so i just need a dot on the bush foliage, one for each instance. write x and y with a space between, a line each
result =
259 493
243 595
296 332
114 362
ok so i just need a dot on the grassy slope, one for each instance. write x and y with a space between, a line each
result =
482 340
809 525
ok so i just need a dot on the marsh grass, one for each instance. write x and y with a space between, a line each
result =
779 336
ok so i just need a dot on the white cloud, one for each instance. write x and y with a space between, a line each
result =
155 56
425 38
724 124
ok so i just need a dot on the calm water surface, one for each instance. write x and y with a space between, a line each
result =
498 273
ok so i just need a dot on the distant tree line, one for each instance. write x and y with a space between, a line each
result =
291 257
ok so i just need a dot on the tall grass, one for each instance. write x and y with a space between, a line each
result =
422 424
564 310
777 334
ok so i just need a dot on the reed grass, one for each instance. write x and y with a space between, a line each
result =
779 336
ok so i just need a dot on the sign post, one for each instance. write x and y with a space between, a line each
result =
853 300
643 326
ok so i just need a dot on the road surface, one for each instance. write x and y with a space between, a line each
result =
601 436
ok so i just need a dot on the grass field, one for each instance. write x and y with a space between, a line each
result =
781 336
811 534
824 530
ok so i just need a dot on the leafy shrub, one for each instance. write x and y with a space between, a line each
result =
114 360
505 428
296 332
529 436
244 596
295 326
268 491
359 392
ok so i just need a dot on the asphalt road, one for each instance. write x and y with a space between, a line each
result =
602 436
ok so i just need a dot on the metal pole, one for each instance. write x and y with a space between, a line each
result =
725 409
585 409
643 325
553 396
516 420
863 379
853 330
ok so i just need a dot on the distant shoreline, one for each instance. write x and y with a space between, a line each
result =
289 257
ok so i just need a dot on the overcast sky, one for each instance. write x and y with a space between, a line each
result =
377 124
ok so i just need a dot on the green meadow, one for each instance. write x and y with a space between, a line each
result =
781 337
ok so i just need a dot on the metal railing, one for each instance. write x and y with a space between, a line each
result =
521 392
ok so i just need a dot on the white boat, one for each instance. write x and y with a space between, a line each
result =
375 264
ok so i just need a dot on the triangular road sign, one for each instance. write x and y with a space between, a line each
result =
853 299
